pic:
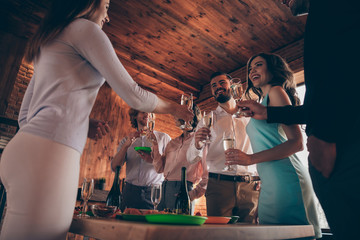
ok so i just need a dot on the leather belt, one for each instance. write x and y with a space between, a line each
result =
237 178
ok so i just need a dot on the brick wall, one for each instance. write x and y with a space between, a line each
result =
15 99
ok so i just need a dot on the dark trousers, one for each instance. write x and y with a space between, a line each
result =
170 190
136 197
339 194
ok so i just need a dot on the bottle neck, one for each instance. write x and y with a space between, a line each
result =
183 179
116 178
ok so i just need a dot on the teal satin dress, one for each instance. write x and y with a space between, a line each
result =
286 195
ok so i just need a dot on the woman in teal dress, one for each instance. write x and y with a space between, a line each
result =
286 195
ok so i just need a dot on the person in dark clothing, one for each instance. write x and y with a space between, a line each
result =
331 55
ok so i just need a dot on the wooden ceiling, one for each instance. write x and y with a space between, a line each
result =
172 46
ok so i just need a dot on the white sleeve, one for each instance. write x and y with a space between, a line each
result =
24 109
194 155
92 43
163 140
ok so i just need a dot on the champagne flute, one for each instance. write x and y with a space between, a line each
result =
150 127
237 89
228 143
150 122
87 190
156 194
187 99
208 121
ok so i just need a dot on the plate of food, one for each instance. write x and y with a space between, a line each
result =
175 219
133 214
145 149
217 220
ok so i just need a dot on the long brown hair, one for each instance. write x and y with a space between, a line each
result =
60 14
282 76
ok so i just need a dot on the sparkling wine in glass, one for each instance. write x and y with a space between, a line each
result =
228 143
237 89
208 121
150 127
187 100
150 122
155 194
87 190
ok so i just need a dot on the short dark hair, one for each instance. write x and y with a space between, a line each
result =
215 74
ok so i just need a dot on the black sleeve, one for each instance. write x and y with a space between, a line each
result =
287 115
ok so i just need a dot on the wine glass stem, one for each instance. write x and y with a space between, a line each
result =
85 207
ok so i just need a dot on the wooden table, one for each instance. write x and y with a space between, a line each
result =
111 229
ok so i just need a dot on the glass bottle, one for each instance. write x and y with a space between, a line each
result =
114 196
182 203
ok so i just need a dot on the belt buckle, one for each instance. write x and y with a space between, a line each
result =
247 178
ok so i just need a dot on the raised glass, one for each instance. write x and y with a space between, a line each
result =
228 142
238 88
187 100
208 121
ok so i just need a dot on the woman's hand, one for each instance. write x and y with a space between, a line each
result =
200 136
237 157
182 112
97 129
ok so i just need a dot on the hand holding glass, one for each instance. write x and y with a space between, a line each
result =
150 122
208 121
87 190
228 142
237 89
187 100
150 127
155 194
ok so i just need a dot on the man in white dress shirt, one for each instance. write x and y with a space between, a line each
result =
229 192
140 172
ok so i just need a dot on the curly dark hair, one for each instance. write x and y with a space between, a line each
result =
282 76
133 114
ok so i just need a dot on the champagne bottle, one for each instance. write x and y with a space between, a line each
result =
182 203
114 196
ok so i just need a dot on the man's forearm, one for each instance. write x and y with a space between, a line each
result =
287 115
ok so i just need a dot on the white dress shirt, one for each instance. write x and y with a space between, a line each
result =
138 171
215 158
